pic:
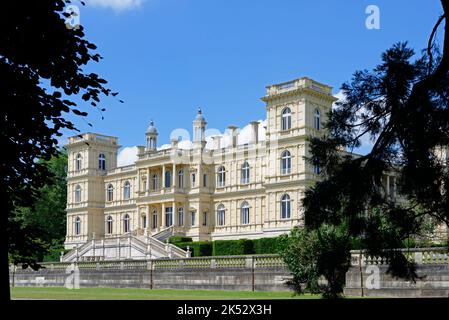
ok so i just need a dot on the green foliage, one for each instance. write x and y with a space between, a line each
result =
177 239
44 221
43 87
316 255
232 247
198 248
267 245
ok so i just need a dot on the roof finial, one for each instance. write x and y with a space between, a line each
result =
199 110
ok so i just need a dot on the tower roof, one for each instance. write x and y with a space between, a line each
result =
151 128
199 115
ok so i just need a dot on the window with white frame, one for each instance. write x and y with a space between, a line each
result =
109 225
286 162
221 176
181 178
77 226
193 179
245 173
78 162
144 221
110 193
126 223
204 218
244 212
221 215
167 179
285 207
193 218
154 219
102 162
155 182
181 216
317 119
127 190
78 193
168 216
286 119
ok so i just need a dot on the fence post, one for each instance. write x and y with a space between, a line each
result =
250 264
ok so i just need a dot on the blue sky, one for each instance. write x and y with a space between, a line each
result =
167 57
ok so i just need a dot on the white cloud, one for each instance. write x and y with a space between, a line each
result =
340 96
127 156
116 5
365 140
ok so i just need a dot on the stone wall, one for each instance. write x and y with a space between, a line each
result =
368 276
259 273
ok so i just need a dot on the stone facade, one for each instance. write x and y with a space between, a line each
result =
223 191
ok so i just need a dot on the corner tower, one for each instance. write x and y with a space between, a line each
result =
90 156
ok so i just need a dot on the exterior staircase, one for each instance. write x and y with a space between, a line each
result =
130 246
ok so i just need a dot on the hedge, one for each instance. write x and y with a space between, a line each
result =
232 247
176 239
267 245
198 249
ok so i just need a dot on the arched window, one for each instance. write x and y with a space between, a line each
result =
78 162
181 178
127 190
144 221
126 225
317 120
286 119
110 193
102 162
244 212
181 216
109 225
154 219
285 207
245 173
221 178
154 181
286 162
167 179
77 226
221 215
77 193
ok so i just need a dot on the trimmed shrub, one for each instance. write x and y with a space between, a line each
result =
232 247
266 245
176 239
198 249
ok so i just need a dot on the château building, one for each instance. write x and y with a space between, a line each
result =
207 191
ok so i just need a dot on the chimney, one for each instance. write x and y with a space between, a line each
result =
254 132
233 133
216 142
174 143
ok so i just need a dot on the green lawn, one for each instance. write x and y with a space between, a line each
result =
144 294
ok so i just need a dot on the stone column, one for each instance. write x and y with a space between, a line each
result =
147 187
174 176
162 215
163 177
175 214
147 218
138 182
